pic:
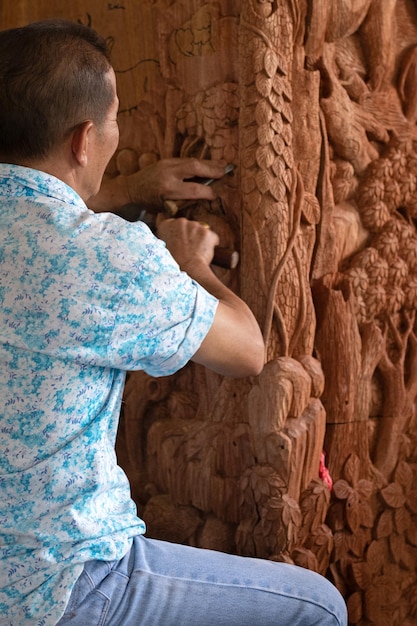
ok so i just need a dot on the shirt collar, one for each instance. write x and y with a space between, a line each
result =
15 178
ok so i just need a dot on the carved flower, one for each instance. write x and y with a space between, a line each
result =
375 300
403 231
393 197
398 158
375 215
395 298
397 272
359 280
386 243
408 186
371 191
366 258
378 271
361 312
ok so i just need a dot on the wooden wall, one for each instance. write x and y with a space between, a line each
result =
315 103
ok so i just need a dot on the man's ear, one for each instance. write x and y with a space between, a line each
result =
80 141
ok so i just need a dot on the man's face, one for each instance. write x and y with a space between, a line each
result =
103 142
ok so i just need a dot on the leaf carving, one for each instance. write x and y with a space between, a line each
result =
282 63
210 126
248 158
265 134
248 184
263 112
286 134
265 157
305 558
365 488
358 542
404 475
353 512
251 95
276 100
311 209
286 112
246 117
341 544
367 515
279 145
279 168
249 137
276 123
412 501
277 189
287 90
254 200
291 512
288 155
384 525
361 574
258 59
342 489
263 84
270 62
375 557
351 469
412 538
402 520
264 181
278 84
393 495
287 177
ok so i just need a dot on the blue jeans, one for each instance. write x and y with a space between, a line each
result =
166 584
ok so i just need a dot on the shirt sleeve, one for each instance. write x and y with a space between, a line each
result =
162 318
98 291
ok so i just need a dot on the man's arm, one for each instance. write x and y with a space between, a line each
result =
234 344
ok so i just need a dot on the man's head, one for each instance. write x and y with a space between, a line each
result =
54 75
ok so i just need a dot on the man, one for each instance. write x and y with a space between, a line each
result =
84 298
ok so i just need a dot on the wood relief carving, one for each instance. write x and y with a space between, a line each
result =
315 104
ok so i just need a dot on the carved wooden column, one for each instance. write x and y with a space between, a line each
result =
314 102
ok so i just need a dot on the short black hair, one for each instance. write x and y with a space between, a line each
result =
53 77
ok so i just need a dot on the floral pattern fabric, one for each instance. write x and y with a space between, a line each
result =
84 298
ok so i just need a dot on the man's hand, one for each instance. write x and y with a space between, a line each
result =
167 179
190 243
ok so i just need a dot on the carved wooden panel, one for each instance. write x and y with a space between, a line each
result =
315 103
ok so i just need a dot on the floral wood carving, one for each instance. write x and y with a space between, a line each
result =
315 103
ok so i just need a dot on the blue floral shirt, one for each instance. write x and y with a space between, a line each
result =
84 297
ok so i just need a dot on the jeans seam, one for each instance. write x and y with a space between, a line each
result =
106 606
243 586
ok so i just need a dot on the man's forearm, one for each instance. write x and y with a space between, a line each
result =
234 346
